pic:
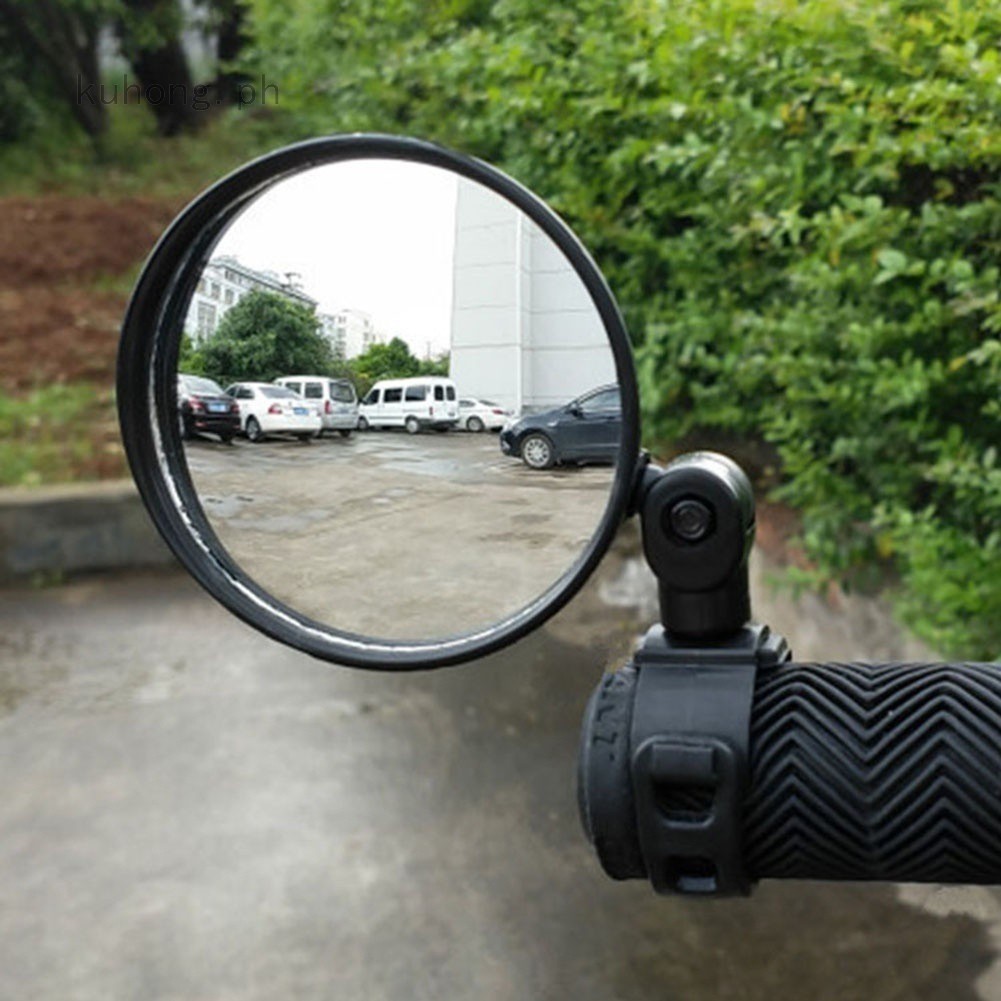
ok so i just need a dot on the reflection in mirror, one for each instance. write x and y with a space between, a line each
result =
397 400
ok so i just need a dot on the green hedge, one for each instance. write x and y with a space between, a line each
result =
797 204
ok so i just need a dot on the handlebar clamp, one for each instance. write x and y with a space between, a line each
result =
667 801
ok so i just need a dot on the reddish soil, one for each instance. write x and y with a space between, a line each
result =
56 323
53 239
57 335
65 267
776 528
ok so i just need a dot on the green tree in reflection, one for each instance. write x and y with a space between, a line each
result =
393 360
265 336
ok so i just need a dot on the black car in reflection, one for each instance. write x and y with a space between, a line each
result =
585 430
203 406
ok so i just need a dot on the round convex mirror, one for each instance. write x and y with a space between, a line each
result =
390 405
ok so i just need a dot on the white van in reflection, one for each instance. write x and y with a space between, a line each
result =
427 401
335 398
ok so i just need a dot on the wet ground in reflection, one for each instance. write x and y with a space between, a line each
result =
395 535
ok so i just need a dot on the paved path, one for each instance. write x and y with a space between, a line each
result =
189 811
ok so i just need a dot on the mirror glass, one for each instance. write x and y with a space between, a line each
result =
397 400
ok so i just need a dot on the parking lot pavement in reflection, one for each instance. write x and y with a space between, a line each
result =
446 533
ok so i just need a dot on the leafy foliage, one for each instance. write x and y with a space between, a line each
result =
385 361
265 336
24 93
59 40
393 360
797 204
57 50
191 357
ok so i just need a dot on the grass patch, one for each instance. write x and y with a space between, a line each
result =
59 434
133 160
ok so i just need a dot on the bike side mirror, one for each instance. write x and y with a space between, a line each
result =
403 531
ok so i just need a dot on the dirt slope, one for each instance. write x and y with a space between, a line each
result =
65 267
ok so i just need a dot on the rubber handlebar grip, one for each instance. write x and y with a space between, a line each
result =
875 772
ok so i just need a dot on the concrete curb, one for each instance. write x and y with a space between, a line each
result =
74 528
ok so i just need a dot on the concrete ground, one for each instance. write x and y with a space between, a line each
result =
447 532
191 812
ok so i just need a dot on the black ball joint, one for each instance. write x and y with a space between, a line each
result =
698 530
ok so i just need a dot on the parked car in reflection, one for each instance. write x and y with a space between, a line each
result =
586 429
202 406
336 398
415 404
481 415
267 409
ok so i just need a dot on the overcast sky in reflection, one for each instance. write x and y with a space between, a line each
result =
374 235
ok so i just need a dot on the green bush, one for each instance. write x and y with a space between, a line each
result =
797 204
19 112
27 97
390 361
264 336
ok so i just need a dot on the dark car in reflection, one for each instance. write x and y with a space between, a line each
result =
202 406
586 429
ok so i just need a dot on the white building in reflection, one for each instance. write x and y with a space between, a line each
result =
355 331
224 282
334 334
525 332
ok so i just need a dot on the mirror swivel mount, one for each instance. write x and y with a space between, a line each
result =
665 759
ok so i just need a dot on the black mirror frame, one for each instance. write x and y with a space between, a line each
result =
146 391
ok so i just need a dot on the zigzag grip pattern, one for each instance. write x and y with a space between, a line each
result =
876 771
